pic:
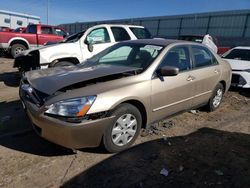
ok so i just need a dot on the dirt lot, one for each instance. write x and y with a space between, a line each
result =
196 149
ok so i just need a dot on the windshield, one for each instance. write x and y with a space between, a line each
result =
141 33
127 54
239 54
73 38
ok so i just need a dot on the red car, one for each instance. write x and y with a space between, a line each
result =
35 35
199 38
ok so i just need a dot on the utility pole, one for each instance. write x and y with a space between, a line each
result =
47 12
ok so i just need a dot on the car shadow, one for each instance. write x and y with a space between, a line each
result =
16 133
242 91
205 158
11 79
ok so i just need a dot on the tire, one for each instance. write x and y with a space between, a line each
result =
17 49
118 135
63 64
216 98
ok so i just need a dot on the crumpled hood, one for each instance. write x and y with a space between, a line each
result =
238 64
53 79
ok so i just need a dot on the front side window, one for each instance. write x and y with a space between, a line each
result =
127 54
141 33
120 34
46 30
203 57
239 54
98 36
177 57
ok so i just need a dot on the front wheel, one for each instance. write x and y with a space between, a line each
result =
125 128
216 98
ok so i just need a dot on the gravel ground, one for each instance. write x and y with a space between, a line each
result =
196 149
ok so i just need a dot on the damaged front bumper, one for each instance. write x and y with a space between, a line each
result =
27 61
70 135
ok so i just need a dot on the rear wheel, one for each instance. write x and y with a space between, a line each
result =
124 130
17 49
216 98
63 64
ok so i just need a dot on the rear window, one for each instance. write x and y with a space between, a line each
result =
240 54
141 33
46 30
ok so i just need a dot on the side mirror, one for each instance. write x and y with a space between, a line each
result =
90 45
168 71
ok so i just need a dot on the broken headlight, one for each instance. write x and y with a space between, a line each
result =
72 108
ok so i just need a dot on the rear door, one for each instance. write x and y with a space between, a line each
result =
173 94
205 74
47 35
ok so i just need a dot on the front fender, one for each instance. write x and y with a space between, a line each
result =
59 51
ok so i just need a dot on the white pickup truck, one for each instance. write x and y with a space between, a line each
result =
79 47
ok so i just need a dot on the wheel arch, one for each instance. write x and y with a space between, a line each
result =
19 41
140 106
74 60
224 85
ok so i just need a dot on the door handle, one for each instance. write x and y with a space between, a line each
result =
216 71
190 78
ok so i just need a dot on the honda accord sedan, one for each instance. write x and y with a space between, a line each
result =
110 97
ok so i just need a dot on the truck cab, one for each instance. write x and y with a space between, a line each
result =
80 46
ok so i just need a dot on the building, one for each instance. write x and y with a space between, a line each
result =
232 28
14 20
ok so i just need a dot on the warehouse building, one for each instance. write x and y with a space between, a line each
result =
14 20
232 28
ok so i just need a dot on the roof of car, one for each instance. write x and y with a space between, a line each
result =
158 41
120 25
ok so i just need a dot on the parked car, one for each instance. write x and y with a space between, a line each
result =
35 35
122 89
199 39
19 30
239 59
80 46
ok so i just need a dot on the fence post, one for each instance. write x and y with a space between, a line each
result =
245 26
180 27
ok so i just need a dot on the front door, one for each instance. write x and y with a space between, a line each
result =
173 94
99 38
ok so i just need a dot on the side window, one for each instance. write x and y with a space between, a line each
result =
7 20
19 22
59 32
120 34
177 57
31 29
203 57
120 54
98 36
141 33
46 30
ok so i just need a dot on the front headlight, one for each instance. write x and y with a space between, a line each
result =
74 108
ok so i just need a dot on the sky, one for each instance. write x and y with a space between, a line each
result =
69 11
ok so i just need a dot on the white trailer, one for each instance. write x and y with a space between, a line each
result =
14 20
